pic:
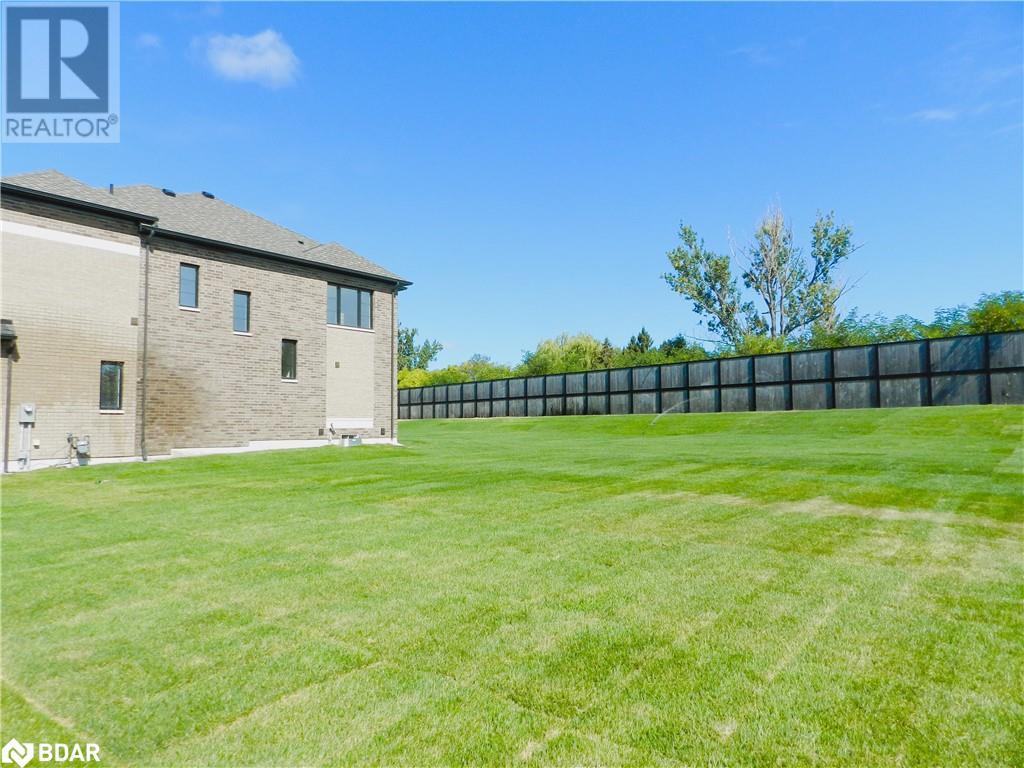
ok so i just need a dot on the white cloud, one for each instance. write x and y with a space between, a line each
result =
1012 128
758 55
263 58
942 115
148 40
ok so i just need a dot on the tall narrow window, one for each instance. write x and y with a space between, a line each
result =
111 376
348 301
365 309
332 305
289 359
351 307
188 286
241 312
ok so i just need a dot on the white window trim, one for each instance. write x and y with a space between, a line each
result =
351 328
289 381
111 413
188 309
242 333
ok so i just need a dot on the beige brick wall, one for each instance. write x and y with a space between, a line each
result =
385 367
350 385
73 306
208 386
72 292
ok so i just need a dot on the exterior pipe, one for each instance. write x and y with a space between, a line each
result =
7 408
394 373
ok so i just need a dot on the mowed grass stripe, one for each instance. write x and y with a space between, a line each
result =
828 588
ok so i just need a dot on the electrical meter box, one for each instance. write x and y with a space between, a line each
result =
27 413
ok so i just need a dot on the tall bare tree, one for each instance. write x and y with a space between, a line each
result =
794 291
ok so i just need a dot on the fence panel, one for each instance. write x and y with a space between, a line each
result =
964 370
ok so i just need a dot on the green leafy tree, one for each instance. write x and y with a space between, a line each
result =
640 343
997 312
482 368
412 355
679 349
794 291
705 278
413 377
993 312
563 354
453 374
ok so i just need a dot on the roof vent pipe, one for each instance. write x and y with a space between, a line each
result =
111 190
168 192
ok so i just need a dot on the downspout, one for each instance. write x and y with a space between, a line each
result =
7 407
394 373
147 233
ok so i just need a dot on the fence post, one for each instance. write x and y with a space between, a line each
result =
928 369
657 389
718 387
632 409
787 361
987 397
877 377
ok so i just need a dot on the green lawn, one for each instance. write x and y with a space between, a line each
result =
842 587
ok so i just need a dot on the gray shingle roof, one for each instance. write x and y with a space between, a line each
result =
197 215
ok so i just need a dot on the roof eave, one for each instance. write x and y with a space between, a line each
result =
76 204
398 282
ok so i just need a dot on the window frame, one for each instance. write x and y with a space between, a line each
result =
248 312
182 266
335 289
120 386
293 344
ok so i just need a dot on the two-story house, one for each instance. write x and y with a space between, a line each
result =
149 321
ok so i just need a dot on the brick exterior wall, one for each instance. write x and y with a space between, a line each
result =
72 307
385 359
205 385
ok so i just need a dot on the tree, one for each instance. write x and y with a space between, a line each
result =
997 312
640 343
678 348
482 368
563 354
796 292
705 278
411 356
413 377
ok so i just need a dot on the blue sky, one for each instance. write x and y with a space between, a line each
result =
527 166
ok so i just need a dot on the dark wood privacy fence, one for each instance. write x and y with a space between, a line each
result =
963 370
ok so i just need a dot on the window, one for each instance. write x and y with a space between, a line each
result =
110 386
289 359
349 306
241 309
188 286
